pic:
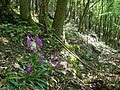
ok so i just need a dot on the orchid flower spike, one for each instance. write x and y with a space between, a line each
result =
28 42
28 69
38 41
41 59
58 64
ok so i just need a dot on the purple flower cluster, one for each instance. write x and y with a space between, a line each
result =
41 59
34 45
29 43
58 63
37 41
28 69
53 58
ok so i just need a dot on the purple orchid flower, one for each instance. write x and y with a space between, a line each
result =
41 59
28 69
38 41
28 42
58 64
53 58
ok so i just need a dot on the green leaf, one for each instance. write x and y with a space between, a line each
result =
43 71
42 81
42 76
15 84
40 85
32 84
14 38
79 73
9 87
8 31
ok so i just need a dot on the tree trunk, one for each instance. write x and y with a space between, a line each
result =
43 13
59 17
84 15
25 9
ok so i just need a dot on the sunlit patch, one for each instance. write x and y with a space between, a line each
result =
1 67
4 40
16 65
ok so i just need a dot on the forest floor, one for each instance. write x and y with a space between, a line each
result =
104 60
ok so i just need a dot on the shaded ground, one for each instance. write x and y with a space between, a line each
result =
10 54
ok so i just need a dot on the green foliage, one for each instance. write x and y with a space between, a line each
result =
85 55
116 6
16 32
33 76
75 64
37 79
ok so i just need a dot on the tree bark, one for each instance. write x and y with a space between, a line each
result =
25 9
43 13
59 17
84 15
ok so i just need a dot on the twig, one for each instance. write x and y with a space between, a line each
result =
73 53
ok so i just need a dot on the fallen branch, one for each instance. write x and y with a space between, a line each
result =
73 53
